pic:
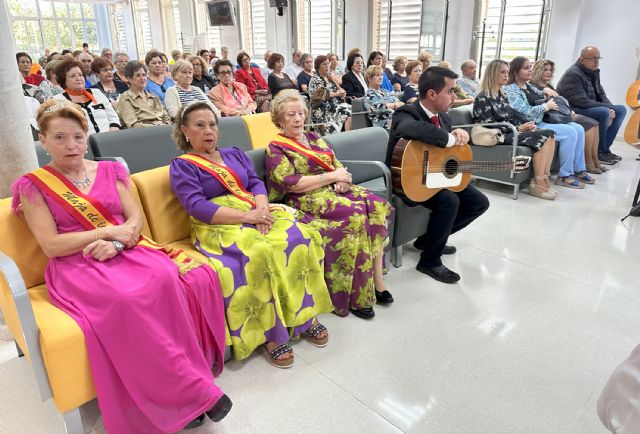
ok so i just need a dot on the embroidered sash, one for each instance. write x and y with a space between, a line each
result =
227 177
91 214
322 158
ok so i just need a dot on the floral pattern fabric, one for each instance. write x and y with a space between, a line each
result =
353 225
375 101
332 111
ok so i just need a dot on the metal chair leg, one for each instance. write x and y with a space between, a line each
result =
396 256
516 190
73 422
20 353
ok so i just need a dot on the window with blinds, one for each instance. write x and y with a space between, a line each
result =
117 23
514 28
254 27
320 26
397 27
175 12
143 26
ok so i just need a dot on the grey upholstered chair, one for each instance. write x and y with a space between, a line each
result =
232 132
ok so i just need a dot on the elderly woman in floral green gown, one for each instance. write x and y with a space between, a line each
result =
303 171
269 264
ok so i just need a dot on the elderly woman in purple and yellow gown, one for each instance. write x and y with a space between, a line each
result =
270 266
152 319
303 171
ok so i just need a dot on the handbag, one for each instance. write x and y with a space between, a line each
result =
560 116
483 136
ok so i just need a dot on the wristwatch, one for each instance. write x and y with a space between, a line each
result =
118 246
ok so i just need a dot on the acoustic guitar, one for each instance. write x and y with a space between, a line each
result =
632 130
420 170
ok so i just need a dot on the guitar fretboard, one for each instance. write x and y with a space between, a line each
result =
472 166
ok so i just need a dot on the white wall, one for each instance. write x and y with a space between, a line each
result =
459 30
357 25
612 26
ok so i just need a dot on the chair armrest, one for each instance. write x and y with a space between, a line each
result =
116 159
498 124
377 169
12 275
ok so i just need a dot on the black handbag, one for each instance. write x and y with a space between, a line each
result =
560 116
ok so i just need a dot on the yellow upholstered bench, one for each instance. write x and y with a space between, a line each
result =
47 336
260 129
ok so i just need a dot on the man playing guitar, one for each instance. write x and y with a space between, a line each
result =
426 120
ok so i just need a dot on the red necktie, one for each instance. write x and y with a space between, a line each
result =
436 121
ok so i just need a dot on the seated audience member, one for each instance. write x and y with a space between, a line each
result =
307 73
570 136
24 65
335 70
400 79
121 61
491 105
303 172
378 101
103 69
42 61
249 75
426 120
541 75
376 58
140 309
107 54
328 104
175 56
266 70
385 69
184 93
353 82
353 51
85 48
138 107
86 59
461 97
165 63
200 78
32 91
224 51
278 79
203 53
414 71
580 85
96 106
185 56
32 105
157 81
50 87
230 97
425 58
296 67
213 56
468 82
270 265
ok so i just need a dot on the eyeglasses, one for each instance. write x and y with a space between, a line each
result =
594 59
226 72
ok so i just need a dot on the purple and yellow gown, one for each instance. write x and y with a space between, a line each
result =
353 225
273 284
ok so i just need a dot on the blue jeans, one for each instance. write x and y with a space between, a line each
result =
607 132
570 138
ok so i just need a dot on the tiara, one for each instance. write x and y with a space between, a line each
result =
285 94
57 106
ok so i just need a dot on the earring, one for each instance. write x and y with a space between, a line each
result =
187 138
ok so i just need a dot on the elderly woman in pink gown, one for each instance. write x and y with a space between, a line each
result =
152 318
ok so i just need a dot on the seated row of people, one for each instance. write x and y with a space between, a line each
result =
271 269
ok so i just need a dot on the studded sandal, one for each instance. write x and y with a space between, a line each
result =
314 332
272 356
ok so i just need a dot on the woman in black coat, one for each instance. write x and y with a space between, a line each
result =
353 81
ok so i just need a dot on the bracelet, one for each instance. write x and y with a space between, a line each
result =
97 234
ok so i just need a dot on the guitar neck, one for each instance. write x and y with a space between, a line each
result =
485 166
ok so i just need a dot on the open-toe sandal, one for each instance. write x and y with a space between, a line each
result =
313 334
569 181
584 177
272 356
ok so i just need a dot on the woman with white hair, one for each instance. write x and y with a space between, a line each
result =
183 93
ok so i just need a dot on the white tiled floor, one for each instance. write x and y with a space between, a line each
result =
547 307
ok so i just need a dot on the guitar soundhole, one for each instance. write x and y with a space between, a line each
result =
451 167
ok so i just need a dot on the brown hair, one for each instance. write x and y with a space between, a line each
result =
319 61
409 68
516 64
273 59
240 56
99 63
63 68
152 55
182 118
55 108
277 105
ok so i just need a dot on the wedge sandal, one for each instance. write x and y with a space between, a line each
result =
313 334
272 356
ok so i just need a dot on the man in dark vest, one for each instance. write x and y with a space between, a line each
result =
426 120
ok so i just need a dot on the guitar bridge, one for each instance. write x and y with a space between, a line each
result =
425 167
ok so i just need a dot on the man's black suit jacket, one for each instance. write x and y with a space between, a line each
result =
411 122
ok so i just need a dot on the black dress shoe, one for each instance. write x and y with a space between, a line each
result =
449 250
366 313
440 273
195 423
384 297
220 409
